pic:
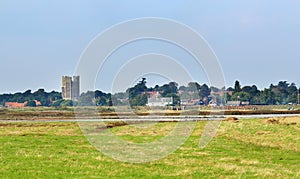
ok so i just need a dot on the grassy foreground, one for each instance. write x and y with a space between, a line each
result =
265 148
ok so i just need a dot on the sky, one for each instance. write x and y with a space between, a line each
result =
256 42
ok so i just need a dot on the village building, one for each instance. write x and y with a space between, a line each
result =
19 105
155 99
233 103
159 101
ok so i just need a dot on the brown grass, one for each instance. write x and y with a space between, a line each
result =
231 119
283 120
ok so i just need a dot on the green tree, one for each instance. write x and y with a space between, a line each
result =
119 99
139 100
237 87
204 91
292 93
241 96
87 99
193 87
137 95
267 97
57 103
31 104
53 96
254 92
171 88
281 92
65 103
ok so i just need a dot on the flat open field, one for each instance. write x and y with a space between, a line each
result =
67 113
248 148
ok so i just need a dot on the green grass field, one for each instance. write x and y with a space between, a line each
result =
250 148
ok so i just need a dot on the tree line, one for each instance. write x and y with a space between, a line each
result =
281 93
45 98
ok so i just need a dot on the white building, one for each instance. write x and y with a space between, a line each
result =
159 101
233 103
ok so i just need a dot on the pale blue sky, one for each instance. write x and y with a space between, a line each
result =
257 42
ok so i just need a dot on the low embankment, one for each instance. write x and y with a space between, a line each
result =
68 113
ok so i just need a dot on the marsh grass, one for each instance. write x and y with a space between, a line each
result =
249 148
52 113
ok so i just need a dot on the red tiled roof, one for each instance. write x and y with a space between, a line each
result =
15 104
20 105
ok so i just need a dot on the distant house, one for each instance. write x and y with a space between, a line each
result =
159 101
191 102
245 103
153 93
19 105
233 103
212 103
14 105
